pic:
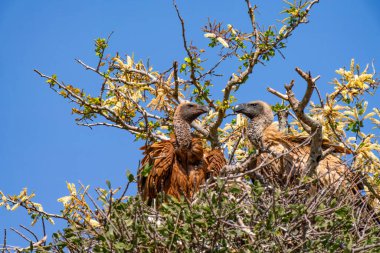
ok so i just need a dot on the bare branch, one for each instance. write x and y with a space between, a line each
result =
192 69
236 145
90 125
21 234
366 248
200 129
212 69
283 120
194 79
311 5
30 231
294 104
5 240
246 229
310 87
313 125
176 83
277 93
35 245
251 13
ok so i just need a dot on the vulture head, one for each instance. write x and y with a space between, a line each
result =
261 116
189 111
254 110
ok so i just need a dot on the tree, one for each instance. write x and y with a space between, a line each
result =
230 213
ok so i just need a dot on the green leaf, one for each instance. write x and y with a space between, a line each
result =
130 176
147 168
342 212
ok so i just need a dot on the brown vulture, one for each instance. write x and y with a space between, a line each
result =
180 165
331 171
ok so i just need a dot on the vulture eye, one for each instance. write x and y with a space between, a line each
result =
191 105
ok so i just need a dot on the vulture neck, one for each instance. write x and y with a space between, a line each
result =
182 132
256 129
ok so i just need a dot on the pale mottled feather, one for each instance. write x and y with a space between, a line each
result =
331 171
283 158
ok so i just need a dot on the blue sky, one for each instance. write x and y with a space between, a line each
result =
41 147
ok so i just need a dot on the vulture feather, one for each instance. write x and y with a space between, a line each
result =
180 165
292 150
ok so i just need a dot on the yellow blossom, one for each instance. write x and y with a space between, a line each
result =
71 188
94 223
65 200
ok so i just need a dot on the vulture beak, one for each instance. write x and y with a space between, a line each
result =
239 108
204 108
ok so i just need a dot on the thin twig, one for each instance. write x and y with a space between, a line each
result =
194 79
21 234
30 231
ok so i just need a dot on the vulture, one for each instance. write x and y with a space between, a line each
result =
180 165
265 136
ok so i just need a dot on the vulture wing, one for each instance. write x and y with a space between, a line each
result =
215 161
325 143
159 159
331 171
177 171
300 138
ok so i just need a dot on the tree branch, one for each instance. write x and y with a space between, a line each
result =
315 127
194 79
113 79
277 93
258 52
104 111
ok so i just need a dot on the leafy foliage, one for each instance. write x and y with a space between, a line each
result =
227 215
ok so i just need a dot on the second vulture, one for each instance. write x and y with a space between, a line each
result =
291 163
180 165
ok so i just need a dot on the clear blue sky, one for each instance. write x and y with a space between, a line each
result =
41 147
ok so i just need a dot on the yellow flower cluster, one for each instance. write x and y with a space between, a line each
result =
352 84
24 199
76 207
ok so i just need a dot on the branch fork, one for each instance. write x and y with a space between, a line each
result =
310 125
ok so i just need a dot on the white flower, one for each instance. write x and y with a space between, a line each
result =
223 42
209 35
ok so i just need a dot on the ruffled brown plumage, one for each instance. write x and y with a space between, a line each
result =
177 172
179 166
